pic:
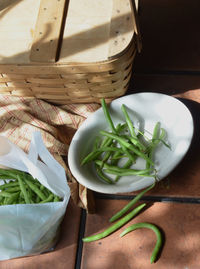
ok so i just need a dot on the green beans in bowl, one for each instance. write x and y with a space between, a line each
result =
127 144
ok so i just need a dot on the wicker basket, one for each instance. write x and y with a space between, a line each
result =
42 71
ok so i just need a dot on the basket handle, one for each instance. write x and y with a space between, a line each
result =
48 31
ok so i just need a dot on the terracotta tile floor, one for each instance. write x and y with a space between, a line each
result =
169 63
178 222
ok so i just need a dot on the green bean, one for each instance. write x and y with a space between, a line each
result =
5 194
4 178
56 198
131 203
90 157
123 141
115 226
5 201
9 184
48 199
156 131
30 178
156 230
155 140
36 189
116 155
115 158
14 173
122 171
102 175
160 139
45 190
108 154
11 173
136 142
96 143
37 200
129 155
23 190
107 115
94 154
128 121
140 173
126 165
13 189
106 142
13 198
1 200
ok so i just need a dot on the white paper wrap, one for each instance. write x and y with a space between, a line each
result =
28 229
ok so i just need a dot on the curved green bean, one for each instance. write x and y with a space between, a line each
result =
156 230
115 226
131 203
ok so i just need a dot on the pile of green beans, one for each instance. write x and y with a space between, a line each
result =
21 188
124 143
125 219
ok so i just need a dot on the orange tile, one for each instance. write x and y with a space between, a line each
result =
170 35
63 256
180 226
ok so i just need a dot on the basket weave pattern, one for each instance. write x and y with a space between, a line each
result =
70 83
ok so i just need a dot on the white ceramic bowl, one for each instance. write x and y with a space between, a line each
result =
146 109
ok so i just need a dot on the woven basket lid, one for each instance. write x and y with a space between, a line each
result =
64 31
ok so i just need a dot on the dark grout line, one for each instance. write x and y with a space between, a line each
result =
80 236
187 200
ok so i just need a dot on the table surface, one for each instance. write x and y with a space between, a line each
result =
169 63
